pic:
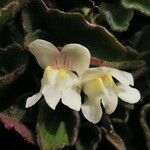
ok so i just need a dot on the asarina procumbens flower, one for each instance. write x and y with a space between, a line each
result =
62 70
99 86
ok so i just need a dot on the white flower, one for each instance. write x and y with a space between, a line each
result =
99 86
61 73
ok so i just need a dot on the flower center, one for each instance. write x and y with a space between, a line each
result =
95 83
62 74
47 73
107 79
52 74
93 87
96 87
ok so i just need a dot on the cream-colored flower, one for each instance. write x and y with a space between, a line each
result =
61 73
99 86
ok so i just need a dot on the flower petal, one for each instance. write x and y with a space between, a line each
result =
76 58
92 110
49 76
70 89
45 52
51 92
33 99
52 95
128 94
110 101
91 73
122 76
109 96
61 83
93 88
97 83
71 98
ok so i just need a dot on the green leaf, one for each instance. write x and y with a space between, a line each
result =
141 40
38 34
141 43
63 28
141 5
15 112
57 128
18 111
116 15
129 65
143 117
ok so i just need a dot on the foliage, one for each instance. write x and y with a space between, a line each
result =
115 32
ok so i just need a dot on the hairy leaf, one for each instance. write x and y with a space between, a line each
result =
116 15
12 124
10 8
13 63
57 128
141 5
63 28
146 128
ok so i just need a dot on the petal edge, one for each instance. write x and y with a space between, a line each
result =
78 56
